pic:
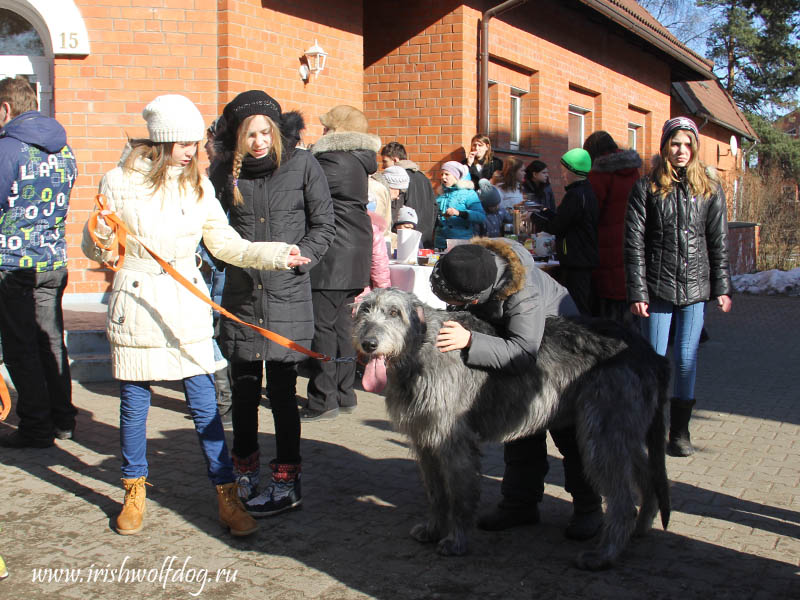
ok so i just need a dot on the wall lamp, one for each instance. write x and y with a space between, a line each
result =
315 58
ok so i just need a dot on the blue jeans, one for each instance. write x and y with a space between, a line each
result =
688 325
201 398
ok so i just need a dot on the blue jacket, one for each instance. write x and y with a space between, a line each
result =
463 198
37 172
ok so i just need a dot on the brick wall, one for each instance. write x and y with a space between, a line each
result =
208 50
554 53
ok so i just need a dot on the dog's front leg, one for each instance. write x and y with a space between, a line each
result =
461 464
434 481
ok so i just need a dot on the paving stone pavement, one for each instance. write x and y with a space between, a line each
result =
733 533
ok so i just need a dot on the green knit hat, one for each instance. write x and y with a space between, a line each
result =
578 161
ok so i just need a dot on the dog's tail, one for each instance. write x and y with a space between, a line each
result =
656 450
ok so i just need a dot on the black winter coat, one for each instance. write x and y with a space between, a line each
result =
347 158
421 198
291 204
575 227
676 247
484 171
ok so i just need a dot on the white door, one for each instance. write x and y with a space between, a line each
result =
37 70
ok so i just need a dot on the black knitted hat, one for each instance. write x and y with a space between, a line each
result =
246 104
464 273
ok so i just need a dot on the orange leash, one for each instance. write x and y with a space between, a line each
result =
5 399
117 246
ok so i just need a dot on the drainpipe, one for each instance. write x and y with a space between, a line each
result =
483 92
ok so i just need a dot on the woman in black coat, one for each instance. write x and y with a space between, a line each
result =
273 191
347 155
480 159
676 258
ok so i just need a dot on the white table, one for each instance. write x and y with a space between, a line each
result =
416 279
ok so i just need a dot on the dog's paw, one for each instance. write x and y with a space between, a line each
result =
423 533
592 560
452 546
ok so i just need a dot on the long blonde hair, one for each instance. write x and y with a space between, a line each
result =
241 151
664 176
484 139
160 155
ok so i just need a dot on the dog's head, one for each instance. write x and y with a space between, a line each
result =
387 322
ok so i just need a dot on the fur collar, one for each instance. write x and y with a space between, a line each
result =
515 271
617 161
346 141
408 164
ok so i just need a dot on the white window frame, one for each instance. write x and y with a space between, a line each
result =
581 112
635 128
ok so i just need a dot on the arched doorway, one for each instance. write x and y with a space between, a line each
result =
26 52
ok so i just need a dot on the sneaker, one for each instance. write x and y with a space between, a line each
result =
502 518
64 434
309 414
15 439
278 497
584 525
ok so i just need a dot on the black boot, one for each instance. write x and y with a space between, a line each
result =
224 396
585 523
680 413
505 516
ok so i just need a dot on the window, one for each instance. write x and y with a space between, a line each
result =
516 118
577 126
634 137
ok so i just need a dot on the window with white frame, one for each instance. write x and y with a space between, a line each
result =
635 136
516 118
577 126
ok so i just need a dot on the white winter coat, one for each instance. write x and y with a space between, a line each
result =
157 329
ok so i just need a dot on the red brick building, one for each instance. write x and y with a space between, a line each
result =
557 70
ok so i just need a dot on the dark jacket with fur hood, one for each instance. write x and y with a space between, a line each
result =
612 178
288 204
518 303
348 158
676 246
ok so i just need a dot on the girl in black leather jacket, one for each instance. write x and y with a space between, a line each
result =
676 259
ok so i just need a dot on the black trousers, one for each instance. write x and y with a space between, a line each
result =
526 468
330 384
32 330
281 388
579 285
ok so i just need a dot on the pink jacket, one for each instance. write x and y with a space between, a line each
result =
379 269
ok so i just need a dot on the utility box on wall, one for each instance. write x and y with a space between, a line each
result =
743 247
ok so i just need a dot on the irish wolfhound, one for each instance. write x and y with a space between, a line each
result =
607 382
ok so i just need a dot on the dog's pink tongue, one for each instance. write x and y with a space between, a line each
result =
374 379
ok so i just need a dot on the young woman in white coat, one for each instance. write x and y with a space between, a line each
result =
157 329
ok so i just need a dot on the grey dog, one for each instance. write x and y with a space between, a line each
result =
606 381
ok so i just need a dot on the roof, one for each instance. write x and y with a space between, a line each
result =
709 100
631 16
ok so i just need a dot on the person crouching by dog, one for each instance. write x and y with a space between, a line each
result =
676 258
273 192
157 329
460 210
497 281
575 228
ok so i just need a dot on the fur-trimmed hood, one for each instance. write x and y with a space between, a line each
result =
511 279
617 161
346 141
408 164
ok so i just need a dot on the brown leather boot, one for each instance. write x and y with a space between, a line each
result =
131 519
232 512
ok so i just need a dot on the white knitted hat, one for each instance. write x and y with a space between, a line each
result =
174 118
396 177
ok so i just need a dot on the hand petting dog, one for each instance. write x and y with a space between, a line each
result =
453 336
